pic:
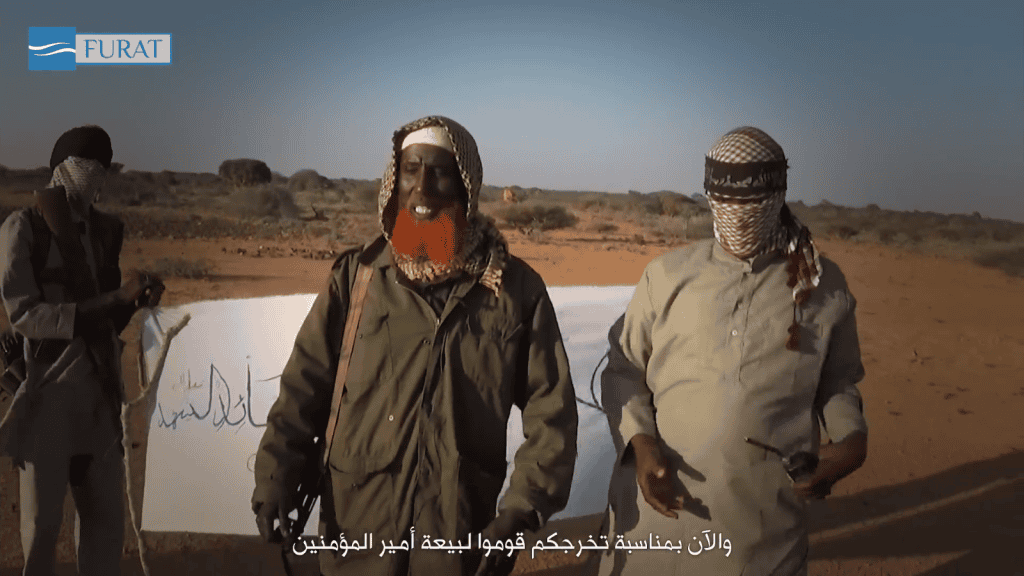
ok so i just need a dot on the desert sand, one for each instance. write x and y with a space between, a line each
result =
943 346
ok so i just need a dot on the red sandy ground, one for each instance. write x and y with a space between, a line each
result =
943 346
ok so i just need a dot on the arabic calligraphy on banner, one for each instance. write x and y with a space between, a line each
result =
698 545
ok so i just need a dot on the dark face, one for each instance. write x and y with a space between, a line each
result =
429 182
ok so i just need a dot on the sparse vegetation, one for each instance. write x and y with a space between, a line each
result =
675 230
181 268
536 236
267 202
304 180
601 227
168 204
842 232
245 172
1009 260
134 188
537 216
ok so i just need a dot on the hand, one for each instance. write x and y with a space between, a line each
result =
134 284
151 294
654 477
277 508
505 526
837 461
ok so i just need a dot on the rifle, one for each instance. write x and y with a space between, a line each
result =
311 480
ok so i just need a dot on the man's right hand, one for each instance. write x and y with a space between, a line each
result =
277 508
133 286
654 476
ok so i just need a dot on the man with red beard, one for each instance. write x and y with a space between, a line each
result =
453 331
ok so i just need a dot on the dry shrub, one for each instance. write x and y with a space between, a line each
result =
843 232
304 180
1010 260
536 236
680 228
591 202
245 172
133 188
886 235
601 227
1006 232
275 203
264 202
537 216
672 205
181 268
351 228
363 196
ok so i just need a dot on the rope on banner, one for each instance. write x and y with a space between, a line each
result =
596 404
148 387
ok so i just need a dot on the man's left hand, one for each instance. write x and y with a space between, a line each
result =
153 291
505 526
837 461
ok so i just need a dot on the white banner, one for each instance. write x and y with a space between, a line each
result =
221 376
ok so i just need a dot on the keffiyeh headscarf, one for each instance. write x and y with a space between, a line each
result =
745 183
78 160
485 251
80 177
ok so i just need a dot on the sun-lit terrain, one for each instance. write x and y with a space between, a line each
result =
938 309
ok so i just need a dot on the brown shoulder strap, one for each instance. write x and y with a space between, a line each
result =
355 311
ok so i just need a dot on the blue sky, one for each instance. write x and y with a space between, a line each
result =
909 105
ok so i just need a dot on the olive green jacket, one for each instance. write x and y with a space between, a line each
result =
486 353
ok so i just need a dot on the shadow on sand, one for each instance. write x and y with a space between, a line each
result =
204 554
974 511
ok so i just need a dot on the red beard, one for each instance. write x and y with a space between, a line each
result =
439 240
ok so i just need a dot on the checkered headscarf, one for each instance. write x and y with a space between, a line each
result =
80 177
485 250
745 183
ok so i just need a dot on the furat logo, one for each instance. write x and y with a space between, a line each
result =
60 48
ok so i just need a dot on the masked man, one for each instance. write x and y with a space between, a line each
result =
453 333
61 286
750 335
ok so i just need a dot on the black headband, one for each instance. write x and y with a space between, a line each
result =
744 179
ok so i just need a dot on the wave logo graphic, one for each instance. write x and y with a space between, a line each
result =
48 46
51 48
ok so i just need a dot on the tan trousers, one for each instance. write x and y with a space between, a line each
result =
97 486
